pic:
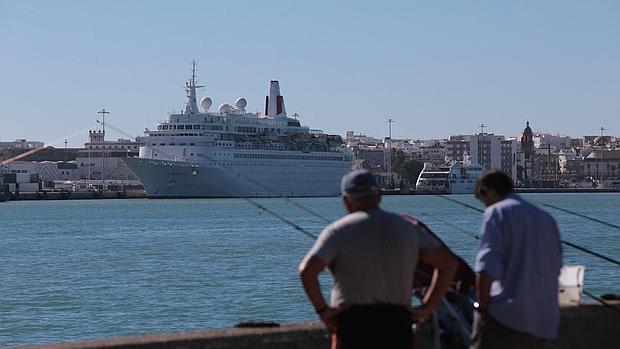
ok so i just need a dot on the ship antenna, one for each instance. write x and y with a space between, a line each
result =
193 72
190 88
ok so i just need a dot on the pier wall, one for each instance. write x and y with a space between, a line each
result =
77 195
586 326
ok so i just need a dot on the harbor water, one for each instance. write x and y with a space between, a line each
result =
74 270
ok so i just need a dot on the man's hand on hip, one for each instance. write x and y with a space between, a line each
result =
329 317
421 313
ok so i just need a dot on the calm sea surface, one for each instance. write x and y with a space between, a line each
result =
91 269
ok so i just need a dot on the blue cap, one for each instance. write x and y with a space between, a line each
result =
359 183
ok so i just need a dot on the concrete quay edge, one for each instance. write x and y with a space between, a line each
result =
585 326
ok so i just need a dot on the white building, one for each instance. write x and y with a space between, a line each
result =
486 149
556 141
602 164
46 170
21 144
102 159
361 141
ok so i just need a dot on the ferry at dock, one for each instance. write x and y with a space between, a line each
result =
234 153
456 177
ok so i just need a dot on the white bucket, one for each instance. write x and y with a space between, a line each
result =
571 284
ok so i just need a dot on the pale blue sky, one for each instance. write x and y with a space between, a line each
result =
436 67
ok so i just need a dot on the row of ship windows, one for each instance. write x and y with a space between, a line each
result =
191 127
229 144
175 134
244 129
245 164
115 147
289 157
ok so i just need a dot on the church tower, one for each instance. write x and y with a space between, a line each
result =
527 147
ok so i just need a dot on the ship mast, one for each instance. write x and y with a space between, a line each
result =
190 89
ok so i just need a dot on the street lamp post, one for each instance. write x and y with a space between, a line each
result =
601 150
103 112
389 158
480 142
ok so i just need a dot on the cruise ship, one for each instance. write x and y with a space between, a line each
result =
457 177
234 153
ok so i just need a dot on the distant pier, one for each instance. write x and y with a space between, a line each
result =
518 190
75 195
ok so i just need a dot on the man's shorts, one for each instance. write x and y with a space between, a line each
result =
375 326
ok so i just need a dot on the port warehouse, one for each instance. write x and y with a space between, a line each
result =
97 166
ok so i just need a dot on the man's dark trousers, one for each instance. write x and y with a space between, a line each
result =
375 326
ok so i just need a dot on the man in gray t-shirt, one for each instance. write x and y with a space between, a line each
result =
372 255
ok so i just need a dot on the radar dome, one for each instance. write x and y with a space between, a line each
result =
205 103
224 108
241 103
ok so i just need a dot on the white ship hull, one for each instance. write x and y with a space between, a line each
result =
181 179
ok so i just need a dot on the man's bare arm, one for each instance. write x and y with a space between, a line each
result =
309 271
446 265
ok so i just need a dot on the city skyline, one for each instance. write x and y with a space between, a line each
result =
435 70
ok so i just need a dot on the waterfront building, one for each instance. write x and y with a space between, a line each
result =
557 141
98 157
486 149
602 164
610 142
101 159
571 165
361 141
545 168
375 158
435 153
47 171
48 153
21 144
369 153
576 143
21 182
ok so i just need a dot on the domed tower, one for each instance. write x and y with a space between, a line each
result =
527 142
527 147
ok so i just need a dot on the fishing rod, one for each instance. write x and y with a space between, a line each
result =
589 294
602 301
261 207
280 217
568 243
578 215
313 236
452 290
453 226
262 186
